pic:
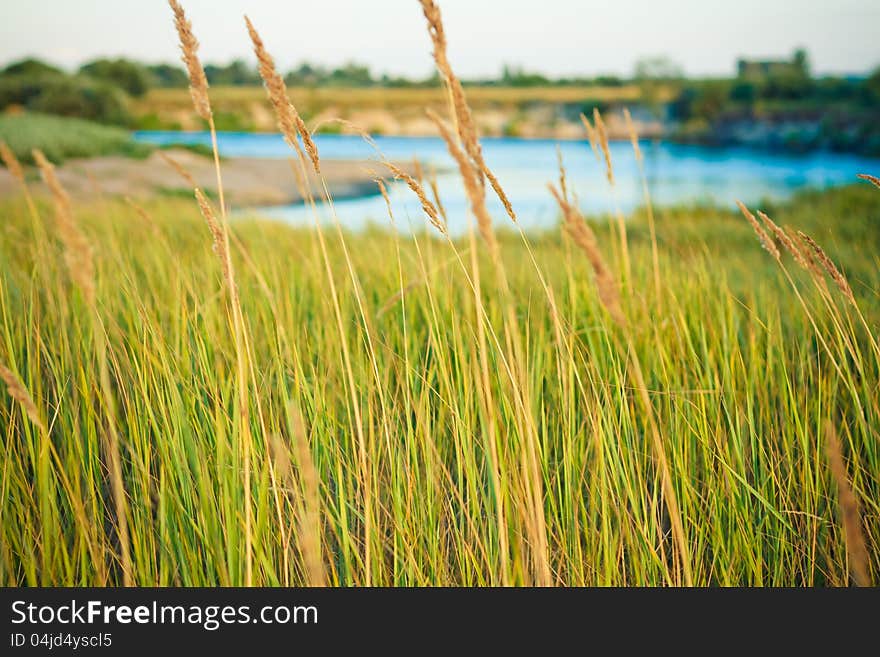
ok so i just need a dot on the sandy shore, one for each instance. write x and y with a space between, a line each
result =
247 182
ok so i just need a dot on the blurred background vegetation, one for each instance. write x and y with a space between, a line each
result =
778 105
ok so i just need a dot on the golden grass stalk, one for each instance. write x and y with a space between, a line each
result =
431 211
435 193
289 121
766 241
310 518
592 136
874 180
383 190
602 134
77 251
418 173
584 238
786 241
306 502
179 168
848 505
830 268
189 48
633 135
17 172
217 236
464 122
19 393
649 206
475 192
11 162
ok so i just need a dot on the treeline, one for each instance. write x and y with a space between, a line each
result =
789 111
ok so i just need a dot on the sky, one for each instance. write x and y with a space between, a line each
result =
554 37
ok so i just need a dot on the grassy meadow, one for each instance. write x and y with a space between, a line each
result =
190 400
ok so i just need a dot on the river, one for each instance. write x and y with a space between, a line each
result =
677 174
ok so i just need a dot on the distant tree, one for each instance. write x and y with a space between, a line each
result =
129 76
744 92
31 67
872 86
801 62
788 86
657 68
351 75
236 74
306 75
167 75
608 81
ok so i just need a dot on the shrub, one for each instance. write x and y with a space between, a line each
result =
127 75
66 96
63 138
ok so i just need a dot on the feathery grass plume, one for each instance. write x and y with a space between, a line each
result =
874 180
189 48
848 504
289 121
465 127
435 192
785 240
418 174
475 192
560 164
806 252
633 135
602 133
499 192
830 268
11 162
307 504
384 192
19 393
765 240
276 90
217 236
464 122
310 520
592 137
77 252
179 168
427 206
585 239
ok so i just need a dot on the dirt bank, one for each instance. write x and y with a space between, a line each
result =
246 181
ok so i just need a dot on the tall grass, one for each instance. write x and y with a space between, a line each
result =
391 408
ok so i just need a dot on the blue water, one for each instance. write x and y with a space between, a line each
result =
676 174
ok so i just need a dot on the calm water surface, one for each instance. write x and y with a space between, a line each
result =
676 174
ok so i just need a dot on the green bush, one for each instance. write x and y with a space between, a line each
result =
129 76
31 67
63 138
64 95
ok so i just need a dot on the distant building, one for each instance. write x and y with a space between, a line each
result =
759 69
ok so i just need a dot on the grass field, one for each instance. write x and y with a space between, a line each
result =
655 401
61 138
384 392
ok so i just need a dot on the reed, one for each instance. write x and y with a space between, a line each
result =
429 408
850 515
220 236
290 123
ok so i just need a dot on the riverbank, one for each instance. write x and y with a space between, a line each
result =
247 181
